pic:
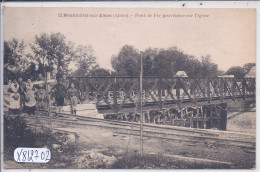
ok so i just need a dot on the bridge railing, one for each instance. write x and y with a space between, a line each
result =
118 92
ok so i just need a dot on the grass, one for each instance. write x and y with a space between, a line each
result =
136 161
18 134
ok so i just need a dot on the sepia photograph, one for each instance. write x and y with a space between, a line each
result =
129 88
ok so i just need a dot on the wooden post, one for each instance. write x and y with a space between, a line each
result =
244 89
80 88
178 94
197 120
87 90
47 88
141 106
208 91
233 89
223 119
160 94
194 92
115 96
221 89
204 118
210 112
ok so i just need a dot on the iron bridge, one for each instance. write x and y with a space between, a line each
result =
117 93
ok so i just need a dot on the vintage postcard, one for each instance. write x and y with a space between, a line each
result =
129 88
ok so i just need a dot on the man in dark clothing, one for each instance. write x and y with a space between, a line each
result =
59 92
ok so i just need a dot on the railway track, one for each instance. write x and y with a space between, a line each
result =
184 134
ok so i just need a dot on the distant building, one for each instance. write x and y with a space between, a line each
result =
181 74
251 73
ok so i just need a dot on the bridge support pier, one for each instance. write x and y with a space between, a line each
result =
204 117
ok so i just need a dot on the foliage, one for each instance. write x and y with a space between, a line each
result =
208 69
164 63
32 71
52 49
100 72
49 51
15 60
126 63
148 62
85 60
237 71
18 134
240 72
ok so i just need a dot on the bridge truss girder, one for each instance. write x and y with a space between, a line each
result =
119 92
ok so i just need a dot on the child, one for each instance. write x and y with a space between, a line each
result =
73 98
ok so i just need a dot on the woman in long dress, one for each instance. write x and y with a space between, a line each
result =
30 101
14 105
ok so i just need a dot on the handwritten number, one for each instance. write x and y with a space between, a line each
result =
31 158
32 155
24 156
36 156
18 159
42 155
47 157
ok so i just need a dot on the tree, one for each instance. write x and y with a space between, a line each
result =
100 72
127 62
193 67
168 62
85 61
221 72
50 49
15 60
237 71
208 69
32 71
148 62
163 63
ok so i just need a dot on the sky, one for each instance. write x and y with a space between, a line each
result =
227 35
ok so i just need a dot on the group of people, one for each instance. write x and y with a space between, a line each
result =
65 91
26 97
22 97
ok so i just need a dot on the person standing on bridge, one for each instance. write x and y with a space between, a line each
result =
59 92
73 94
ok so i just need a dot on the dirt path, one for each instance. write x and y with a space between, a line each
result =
111 144
100 147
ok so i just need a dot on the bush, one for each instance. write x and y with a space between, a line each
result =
18 134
